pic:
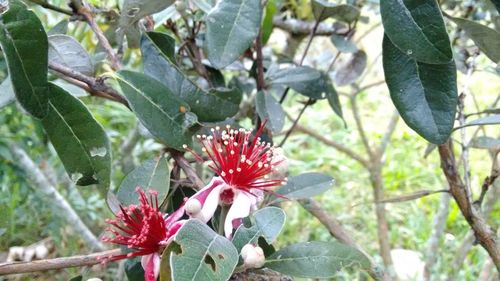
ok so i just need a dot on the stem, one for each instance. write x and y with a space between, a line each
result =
49 6
289 132
261 84
222 218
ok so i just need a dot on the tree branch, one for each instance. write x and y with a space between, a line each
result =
49 6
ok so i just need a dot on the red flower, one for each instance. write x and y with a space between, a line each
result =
245 167
145 230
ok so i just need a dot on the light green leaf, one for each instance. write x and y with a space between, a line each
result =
204 5
24 45
306 185
232 25
303 79
153 174
6 92
316 259
416 27
223 103
487 39
323 9
484 142
60 28
267 223
162 113
65 50
80 141
488 120
203 254
424 94
270 109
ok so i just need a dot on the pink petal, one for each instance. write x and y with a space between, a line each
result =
211 203
174 217
151 265
240 209
205 191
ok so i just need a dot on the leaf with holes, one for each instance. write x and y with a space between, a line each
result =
223 103
316 259
270 109
323 9
152 174
232 26
202 254
267 223
306 185
486 39
65 50
24 45
162 113
351 69
79 140
416 27
424 94
303 79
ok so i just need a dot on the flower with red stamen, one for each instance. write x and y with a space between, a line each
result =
145 230
245 166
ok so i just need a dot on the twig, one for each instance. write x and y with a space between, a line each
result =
188 170
413 196
62 206
49 6
57 263
95 86
295 122
359 125
261 84
388 133
309 41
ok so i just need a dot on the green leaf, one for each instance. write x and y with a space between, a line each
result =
24 45
162 113
267 22
164 42
424 94
486 39
223 103
333 99
80 141
488 120
497 4
204 255
270 109
343 44
306 185
351 69
232 25
76 278
6 92
60 28
267 223
134 270
204 5
316 259
323 9
65 50
152 174
484 142
417 28
303 79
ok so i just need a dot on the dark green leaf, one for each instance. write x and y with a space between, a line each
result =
322 10
134 270
485 142
417 28
6 92
204 255
65 50
303 79
152 174
60 28
270 109
216 77
24 45
351 69
487 39
306 185
266 223
424 94
76 278
162 113
333 99
343 44
232 25
497 4
223 103
80 141
316 259
164 42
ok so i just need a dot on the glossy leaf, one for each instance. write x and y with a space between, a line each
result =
303 79
424 94
343 44
65 50
267 223
222 102
316 259
322 9
487 39
24 45
270 109
416 27
351 69
162 113
152 174
232 26
79 140
306 185
204 255
6 92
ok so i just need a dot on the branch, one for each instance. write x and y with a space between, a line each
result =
94 86
57 263
64 209
49 6
483 232
359 125
188 170
299 27
388 133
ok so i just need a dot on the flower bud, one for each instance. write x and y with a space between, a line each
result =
253 256
180 6
193 207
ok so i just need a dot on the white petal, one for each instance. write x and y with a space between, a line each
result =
240 209
211 203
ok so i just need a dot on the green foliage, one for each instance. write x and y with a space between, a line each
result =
306 186
323 9
270 109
